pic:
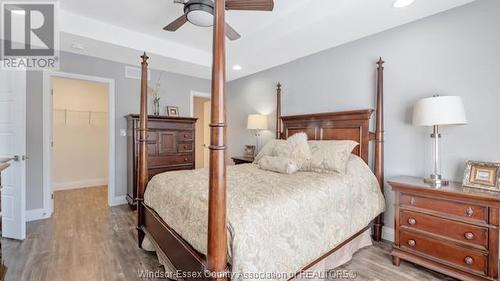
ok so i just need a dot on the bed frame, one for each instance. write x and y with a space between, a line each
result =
353 125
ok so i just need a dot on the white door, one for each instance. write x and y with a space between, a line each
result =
13 145
206 133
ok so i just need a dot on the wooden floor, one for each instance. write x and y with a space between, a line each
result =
86 240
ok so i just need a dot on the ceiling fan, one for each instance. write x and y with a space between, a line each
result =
200 13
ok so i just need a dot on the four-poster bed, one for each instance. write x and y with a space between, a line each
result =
351 125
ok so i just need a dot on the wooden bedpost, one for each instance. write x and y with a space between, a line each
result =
142 178
217 232
278 111
379 145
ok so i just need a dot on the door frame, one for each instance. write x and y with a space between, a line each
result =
196 94
48 203
199 95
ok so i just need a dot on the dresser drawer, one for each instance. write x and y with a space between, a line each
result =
463 210
185 147
159 125
165 161
442 252
462 232
185 136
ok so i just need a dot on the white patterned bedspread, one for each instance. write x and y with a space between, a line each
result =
276 222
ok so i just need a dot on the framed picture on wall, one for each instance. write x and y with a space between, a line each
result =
483 175
172 111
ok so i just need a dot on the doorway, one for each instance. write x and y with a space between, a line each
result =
201 110
79 134
79 147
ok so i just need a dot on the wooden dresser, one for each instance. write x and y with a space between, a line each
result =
451 229
171 146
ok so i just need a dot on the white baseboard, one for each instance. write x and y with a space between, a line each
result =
118 200
37 214
388 233
79 184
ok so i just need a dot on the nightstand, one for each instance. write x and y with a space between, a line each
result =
450 229
242 160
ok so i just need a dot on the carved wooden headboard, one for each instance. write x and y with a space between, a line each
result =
346 125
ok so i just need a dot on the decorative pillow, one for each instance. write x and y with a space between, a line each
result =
278 164
295 148
267 150
330 156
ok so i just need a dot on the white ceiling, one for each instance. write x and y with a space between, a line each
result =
296 28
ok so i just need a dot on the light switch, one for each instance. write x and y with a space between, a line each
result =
123 132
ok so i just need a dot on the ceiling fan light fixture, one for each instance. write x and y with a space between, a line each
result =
200 12
402 3
200 18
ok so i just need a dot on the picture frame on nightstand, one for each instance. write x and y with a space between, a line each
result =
249 150
484 175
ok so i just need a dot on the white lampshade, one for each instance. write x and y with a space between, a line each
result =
257 122
445 110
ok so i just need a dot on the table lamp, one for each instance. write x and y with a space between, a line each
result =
257 122
434 112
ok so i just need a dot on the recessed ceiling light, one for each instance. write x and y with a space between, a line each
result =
403 3
237 67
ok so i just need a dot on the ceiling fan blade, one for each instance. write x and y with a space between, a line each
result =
173 26
231 33
255 5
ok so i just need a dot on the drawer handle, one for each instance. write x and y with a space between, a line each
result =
412 221
185 136
185 146
469 261
411 242
469 211
412 200
469 235
186 159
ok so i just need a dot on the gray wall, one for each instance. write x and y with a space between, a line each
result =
175 90
453 53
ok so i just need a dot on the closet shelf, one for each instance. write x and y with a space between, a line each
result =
89 112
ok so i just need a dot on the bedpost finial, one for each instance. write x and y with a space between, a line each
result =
144 57
380 62
279 85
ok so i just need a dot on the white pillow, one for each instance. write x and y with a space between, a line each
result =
329 156
267 150
278 164
295 148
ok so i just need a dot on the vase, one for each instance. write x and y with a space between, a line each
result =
156 108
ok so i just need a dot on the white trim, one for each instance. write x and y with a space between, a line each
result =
48 203
56 186
37 214
119 200
388 233
196 94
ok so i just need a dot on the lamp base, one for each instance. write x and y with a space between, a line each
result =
436 181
